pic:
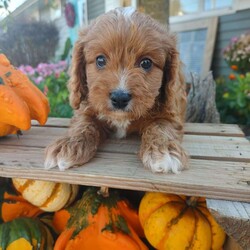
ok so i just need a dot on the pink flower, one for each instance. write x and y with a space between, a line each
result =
38 80
234 39
29 70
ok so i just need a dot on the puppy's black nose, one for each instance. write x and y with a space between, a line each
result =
120 98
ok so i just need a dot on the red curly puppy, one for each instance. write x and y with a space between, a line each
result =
125 78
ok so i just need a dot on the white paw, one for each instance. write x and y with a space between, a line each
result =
63 164
167 163
50 162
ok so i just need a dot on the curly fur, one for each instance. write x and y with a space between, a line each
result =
157 108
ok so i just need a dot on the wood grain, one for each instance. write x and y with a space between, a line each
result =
190 128
219 164
208 147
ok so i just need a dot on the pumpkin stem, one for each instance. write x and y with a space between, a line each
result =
18 133
104 191
192 201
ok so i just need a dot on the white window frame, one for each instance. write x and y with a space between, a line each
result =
211 25
236 5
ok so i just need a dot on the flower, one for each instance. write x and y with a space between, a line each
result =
226 95
237 53
44 70
234 39
51 79
27 69
38 80
231 76
70 14
234 67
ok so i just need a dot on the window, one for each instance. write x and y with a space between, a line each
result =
196 44
188 7
219 4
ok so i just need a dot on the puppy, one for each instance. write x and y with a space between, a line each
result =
125 78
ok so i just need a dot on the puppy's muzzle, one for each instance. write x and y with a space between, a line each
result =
120 98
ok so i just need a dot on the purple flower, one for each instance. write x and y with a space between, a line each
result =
234 39
27 69
30 70
44 70
38 80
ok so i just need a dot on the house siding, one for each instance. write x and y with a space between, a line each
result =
63 35
228 26
95 8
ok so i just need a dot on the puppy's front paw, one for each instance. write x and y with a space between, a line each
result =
67 152
165 161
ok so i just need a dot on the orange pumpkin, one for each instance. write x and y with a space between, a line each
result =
60 219
20 100
179 222
98 223
14 206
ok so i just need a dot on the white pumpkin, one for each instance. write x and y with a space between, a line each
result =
48 196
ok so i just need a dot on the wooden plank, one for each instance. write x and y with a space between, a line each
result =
212 179
190 128
234 217
54 122
198 146
213 129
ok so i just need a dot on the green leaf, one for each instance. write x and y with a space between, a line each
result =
67 49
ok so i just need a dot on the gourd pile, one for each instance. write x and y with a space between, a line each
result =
45 215
20 100
41 215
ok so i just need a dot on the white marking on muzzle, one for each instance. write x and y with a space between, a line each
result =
123 81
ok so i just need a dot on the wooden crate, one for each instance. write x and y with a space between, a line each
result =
219 166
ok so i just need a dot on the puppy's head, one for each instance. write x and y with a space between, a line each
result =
124 65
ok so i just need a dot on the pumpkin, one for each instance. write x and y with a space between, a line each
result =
20 100
98 222
14 205
25 234
179 222
60 219
48 196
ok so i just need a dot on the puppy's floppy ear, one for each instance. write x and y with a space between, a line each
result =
173 78
78 83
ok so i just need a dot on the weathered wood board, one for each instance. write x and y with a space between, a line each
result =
219 162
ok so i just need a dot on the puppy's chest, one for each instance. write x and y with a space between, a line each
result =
120 133
119 129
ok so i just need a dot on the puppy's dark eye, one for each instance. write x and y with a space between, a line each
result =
101 62
146 64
